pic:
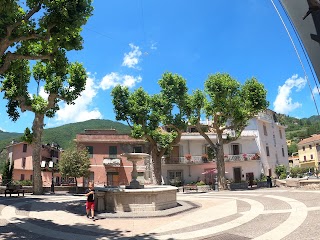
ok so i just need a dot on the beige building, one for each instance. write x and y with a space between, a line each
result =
308 150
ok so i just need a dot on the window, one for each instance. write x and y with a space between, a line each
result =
265 130
175 178
235 149
90 150
311 156
304 158
303 148
23 162
280 133
282 152
113 151
137 149
310 147
25 147
267 150
22 177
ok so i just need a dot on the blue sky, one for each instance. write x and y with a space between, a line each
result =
133 42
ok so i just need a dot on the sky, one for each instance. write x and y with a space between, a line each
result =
133 42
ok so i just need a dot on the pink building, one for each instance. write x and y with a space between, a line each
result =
21 154
108 167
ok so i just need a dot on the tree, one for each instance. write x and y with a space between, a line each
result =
37 29
46 35
7 172
145 114
62 81
75 162
281 171
229 106
3 159
292 148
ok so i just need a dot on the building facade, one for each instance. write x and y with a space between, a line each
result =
108 167
261 147
20 154
308 150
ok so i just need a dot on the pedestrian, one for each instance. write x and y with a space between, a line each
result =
90 201
269 182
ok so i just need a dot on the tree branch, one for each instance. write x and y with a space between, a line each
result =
14 56
26 18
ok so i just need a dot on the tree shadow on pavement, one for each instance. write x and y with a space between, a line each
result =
23 228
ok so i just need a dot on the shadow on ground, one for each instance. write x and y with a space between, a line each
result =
39 229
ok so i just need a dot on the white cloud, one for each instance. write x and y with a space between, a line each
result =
132 58
113 79
80 111
283 103
1 129
43 94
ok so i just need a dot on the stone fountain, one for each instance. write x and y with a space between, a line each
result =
134 158
136 197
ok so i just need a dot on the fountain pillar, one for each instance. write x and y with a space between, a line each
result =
134 158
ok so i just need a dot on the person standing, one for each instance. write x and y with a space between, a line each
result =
90 201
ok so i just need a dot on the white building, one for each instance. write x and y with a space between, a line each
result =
261 147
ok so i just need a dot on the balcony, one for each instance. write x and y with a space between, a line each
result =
242 157
194 159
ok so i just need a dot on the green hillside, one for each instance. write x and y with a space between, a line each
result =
65 134
296 129
6 135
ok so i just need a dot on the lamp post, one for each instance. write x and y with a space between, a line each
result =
51 166
216 186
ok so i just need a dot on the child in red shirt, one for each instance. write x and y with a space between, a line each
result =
90 201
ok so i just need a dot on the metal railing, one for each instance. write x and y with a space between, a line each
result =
195 159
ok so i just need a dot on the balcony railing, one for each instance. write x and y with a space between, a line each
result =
201 159
183 160
241 157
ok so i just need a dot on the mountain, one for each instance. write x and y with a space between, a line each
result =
64 135
298 129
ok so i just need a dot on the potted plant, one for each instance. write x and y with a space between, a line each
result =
245 157
188 156
204 158
256 157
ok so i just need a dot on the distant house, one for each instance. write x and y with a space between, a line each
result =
108 167
261 147
20 153
309 152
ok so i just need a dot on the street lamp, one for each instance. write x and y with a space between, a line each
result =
51 166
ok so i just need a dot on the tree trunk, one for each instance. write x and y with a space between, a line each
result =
220 163
156 163
77 190
37 129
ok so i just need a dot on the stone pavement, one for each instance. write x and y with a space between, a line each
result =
276 213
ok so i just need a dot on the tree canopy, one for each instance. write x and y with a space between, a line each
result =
149 116
228 106
75 162
37 29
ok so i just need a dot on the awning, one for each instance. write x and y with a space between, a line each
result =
115 162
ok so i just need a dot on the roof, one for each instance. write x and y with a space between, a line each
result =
108 138
313 138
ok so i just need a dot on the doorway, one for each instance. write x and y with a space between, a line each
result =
112 179
237 174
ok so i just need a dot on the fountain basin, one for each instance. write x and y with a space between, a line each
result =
150 198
